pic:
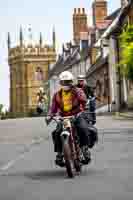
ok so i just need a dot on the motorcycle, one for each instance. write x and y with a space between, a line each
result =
90 108
70 145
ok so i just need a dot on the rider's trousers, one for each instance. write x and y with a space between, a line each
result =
81 126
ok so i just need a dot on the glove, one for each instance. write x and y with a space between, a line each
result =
79 114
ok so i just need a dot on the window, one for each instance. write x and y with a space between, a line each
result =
106 85
98 88
39 74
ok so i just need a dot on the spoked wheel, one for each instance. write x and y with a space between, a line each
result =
69 169
67 157
77 163
77 166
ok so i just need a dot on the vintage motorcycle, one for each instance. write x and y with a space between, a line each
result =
90 108
70 145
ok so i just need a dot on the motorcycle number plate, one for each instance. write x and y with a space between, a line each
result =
67 123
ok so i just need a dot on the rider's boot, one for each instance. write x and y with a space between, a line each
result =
59 160
86 155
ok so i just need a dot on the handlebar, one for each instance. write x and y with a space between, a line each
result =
62 118
59 118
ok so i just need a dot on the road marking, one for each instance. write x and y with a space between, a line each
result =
11 163
27 149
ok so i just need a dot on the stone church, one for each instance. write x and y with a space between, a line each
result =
29 65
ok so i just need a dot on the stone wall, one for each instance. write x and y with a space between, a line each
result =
28 72
100 80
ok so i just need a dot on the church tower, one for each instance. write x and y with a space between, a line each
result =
99 8
28 65
79 23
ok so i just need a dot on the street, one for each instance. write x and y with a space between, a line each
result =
28 172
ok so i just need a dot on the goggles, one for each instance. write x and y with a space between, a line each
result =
66 82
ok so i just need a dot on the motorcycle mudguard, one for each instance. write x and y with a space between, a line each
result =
65 137
67 133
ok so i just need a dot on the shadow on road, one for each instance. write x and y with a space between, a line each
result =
39 175
56 174
47 174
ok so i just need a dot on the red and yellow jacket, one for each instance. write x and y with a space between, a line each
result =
77 102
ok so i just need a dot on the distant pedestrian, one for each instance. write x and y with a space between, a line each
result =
41 101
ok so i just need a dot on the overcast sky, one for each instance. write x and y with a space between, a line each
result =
42 15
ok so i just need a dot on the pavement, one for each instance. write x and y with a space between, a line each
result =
124 115
27 169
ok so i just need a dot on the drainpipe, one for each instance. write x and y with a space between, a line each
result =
103 45
108 89
119 75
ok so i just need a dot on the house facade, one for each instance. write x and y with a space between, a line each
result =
97 55
111 87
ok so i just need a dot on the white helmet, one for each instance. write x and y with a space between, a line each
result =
81 77
41 89
66 76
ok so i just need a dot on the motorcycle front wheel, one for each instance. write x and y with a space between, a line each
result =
77 166
67 157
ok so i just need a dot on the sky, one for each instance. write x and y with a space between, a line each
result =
41 15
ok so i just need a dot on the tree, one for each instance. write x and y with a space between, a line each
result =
126 42
1 107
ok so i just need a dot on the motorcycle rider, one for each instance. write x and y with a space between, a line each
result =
41 100
89 94
68 101
82 84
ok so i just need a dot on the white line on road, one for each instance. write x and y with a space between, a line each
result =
11 163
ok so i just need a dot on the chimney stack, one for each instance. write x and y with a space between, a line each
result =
100 12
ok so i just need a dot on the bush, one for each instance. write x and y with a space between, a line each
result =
1 107
130 102
126 42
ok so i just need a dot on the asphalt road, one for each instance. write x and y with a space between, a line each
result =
27 170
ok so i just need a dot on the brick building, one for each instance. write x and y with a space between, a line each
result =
97 52
80 24
106 56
